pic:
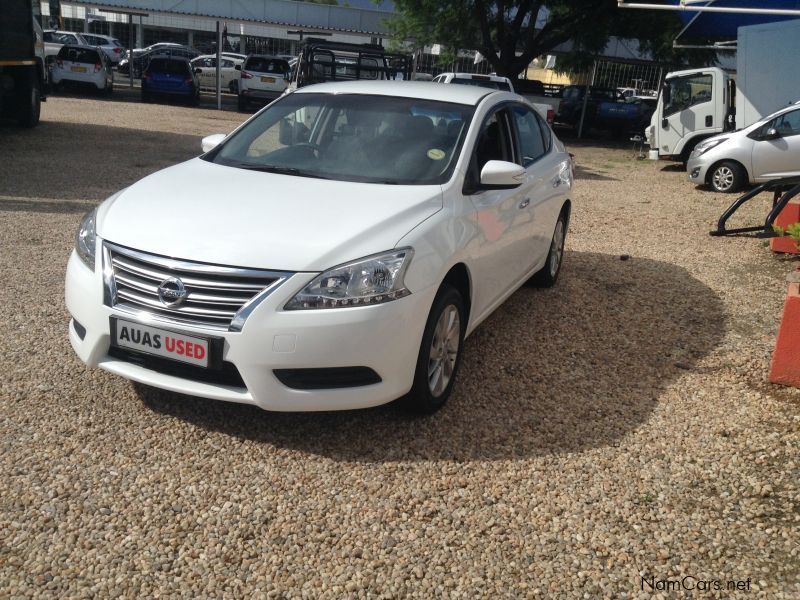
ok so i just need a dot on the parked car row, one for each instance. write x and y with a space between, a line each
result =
54 40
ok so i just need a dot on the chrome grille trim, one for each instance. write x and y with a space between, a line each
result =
219 297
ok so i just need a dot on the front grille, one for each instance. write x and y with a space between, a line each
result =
219 297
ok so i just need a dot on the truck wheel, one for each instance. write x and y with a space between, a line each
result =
727 177
30 104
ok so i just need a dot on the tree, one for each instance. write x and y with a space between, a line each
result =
511 33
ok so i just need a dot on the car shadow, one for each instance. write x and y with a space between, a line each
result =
590 174
94 160
567 369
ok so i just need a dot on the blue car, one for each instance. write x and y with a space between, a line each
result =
170 76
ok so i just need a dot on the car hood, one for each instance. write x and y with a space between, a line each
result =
205 212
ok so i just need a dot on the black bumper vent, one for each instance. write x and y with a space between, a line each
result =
327 379
227 375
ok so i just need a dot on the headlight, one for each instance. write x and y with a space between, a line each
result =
371 280
85 239
704 147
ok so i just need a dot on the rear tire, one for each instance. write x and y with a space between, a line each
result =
30 104
548 275
727 177
439 354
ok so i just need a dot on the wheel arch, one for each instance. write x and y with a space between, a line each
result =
717 163
459 277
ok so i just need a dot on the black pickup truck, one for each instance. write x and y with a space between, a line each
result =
23 76
606 109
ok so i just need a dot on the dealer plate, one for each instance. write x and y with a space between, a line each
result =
267 80
175 346
78 69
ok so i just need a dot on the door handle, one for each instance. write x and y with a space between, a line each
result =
524 203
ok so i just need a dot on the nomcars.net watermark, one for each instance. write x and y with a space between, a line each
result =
692 583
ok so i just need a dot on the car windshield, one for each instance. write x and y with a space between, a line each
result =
260 64
78 55
165 65
348 137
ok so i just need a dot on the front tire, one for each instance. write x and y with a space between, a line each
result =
548 275
439 353
727 177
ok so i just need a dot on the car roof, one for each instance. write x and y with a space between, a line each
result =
270 56
426 90
478 75
169 57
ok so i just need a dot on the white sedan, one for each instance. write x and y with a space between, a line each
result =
207 73
373 226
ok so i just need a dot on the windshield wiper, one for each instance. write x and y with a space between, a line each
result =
277 169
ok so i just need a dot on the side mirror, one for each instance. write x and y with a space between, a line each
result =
665 91
502 175
212 141
237 67
664 124
198 70
772 134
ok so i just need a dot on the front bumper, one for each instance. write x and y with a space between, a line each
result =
697 168
261 94
384 338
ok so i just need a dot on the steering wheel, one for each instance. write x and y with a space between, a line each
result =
313 147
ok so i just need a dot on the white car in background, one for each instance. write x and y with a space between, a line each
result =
263 78
371 227
494 82
207 72
111 46
87 66
54 40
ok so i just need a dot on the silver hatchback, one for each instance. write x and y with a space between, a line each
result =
768 149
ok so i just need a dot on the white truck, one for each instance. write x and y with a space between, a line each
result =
696 104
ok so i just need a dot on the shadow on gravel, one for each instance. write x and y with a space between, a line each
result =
584 173
93 161
552 371
45 206
673 168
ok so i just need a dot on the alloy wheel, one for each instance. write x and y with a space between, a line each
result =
444 350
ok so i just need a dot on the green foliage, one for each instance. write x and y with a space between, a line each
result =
792 231
499 29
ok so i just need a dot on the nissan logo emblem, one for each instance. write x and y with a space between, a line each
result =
172 292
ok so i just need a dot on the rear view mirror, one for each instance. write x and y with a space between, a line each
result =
772 134
198 70
238 68
212 141
500 174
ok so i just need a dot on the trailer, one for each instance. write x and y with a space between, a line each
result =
23 76
696 104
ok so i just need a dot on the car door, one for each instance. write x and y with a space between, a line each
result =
780 156
544 179
690 111
501 251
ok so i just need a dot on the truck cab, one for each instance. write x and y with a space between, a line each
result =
693 105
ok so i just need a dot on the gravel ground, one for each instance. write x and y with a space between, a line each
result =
610 434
